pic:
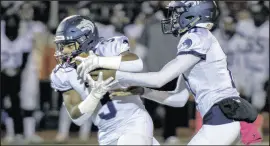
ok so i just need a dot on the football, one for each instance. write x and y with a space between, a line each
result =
107 73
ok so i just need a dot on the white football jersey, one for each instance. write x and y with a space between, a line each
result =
106 31
112 114
222 39
209 80
11 51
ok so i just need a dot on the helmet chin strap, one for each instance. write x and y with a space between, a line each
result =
178 32
206 25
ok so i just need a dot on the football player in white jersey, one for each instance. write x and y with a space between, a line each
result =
202 64
120 121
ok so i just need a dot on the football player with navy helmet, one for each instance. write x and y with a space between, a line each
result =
201 62
120 121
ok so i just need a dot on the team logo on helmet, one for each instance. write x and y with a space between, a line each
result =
86 25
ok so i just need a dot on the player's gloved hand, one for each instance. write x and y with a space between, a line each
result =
100 87
87 64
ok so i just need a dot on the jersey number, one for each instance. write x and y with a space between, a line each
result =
112 110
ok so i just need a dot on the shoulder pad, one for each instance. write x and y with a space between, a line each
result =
197 41
113 46
59 80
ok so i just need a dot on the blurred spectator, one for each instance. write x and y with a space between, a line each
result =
32 32
13 62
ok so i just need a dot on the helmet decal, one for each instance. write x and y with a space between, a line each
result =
86 25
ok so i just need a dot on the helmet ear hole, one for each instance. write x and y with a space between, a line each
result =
189 17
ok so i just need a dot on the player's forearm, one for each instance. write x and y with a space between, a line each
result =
128 62
178 99
131 66
77 117
150 79
157 79
75 112
82 111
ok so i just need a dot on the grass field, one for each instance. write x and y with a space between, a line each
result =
49 137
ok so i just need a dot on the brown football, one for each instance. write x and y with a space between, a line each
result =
107 73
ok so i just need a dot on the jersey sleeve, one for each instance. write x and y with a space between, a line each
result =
197 44
59 81
113 46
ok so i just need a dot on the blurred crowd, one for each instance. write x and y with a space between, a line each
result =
29 104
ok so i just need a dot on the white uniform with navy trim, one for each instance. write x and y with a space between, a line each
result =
203 65
209 80
117 117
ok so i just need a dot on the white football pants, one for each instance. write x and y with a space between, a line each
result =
225 134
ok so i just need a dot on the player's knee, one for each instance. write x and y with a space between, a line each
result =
28 113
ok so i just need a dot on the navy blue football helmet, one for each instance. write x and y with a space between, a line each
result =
76 30
184 15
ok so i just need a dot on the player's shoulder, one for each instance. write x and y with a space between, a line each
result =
196 36
113 46
115 39
196 40
59 79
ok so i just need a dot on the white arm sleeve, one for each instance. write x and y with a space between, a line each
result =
114 47
157 79
131 66
176 98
